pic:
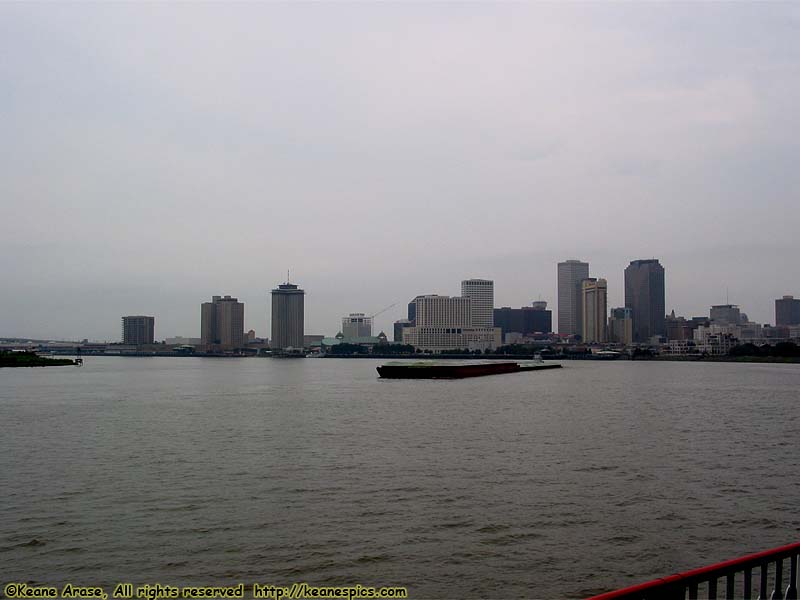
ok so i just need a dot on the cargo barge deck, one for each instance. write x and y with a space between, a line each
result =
428 370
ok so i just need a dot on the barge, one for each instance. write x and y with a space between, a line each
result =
461 370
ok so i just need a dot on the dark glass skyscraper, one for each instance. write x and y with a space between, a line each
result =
644 294
526 320
288 314
787 311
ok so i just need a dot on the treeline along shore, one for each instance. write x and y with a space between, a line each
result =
31 359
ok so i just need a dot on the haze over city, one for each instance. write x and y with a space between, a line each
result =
156 155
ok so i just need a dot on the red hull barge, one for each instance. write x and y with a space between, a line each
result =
456 371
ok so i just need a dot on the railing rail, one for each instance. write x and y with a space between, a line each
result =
676 587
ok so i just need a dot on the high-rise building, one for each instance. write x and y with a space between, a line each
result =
527 320
356 325
481 294
287 317
399 325
620 325
644 293
443 311
138 330
412 308
570 313
222 322
594 300
725 314
445 323
537 318
787 311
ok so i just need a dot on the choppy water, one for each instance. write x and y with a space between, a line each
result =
534 485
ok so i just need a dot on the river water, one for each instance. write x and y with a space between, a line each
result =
552 484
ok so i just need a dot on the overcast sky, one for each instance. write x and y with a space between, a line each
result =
154 155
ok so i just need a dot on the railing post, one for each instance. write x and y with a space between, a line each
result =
678 586
675 591
748 584
693 591
777 592
791 591
762 589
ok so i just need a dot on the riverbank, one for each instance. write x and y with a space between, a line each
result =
31 359
740 359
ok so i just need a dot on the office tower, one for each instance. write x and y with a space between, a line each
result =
445 323
527 320
138 330
537 318
594 300
222 322
481 293
509 320
787 311
644 293
443 311
287 317
620 326
356 325
725 314
570 314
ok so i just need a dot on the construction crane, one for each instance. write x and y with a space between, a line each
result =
380 312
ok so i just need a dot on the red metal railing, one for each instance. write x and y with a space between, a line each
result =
676 587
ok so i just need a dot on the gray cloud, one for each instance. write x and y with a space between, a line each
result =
154 155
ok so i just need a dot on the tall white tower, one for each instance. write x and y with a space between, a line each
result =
595 309
481 294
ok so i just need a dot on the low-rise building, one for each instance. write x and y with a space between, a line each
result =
182 341
684 347
357 325
327 344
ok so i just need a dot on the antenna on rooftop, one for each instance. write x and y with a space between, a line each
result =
287 276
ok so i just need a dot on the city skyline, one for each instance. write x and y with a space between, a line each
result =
487 122
386 323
